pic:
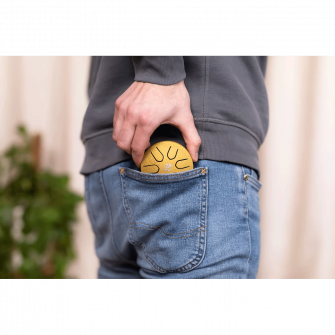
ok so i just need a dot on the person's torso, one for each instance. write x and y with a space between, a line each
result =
228 101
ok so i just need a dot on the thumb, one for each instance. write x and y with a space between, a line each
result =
191 137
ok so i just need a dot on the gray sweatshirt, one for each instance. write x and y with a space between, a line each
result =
228 101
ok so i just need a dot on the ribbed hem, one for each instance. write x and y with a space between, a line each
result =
221 141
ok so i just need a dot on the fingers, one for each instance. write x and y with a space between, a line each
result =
121 108
191 136
119 116
116 116
125 137
118 125
141 142
130 118
136 117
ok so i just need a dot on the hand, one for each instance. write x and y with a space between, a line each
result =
144 107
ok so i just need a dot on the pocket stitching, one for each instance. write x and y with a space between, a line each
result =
136 175
202 234
186 267
172 238
157 227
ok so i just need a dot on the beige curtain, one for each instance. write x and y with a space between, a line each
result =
298 170
48 94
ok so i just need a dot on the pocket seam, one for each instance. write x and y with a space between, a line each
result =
197 259
157 227
174 238
147 177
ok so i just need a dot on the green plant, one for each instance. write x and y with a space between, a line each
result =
37 211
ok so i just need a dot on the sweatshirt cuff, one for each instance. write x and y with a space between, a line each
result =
159 70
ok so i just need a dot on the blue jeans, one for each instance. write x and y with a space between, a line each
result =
202 223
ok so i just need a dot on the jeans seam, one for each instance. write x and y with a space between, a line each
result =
247 214
110 216
160 227
172 238
94 225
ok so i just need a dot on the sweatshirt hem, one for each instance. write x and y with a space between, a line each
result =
228 123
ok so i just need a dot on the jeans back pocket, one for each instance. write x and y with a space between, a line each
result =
167 216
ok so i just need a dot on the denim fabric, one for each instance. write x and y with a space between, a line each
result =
202 223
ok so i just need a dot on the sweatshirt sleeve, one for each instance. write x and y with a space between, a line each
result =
159 70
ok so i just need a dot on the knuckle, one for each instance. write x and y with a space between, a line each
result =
135 149
118 103
123 109
194 141
131 111
197 142
145 119
121 145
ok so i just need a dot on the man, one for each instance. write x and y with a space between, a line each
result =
202 223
